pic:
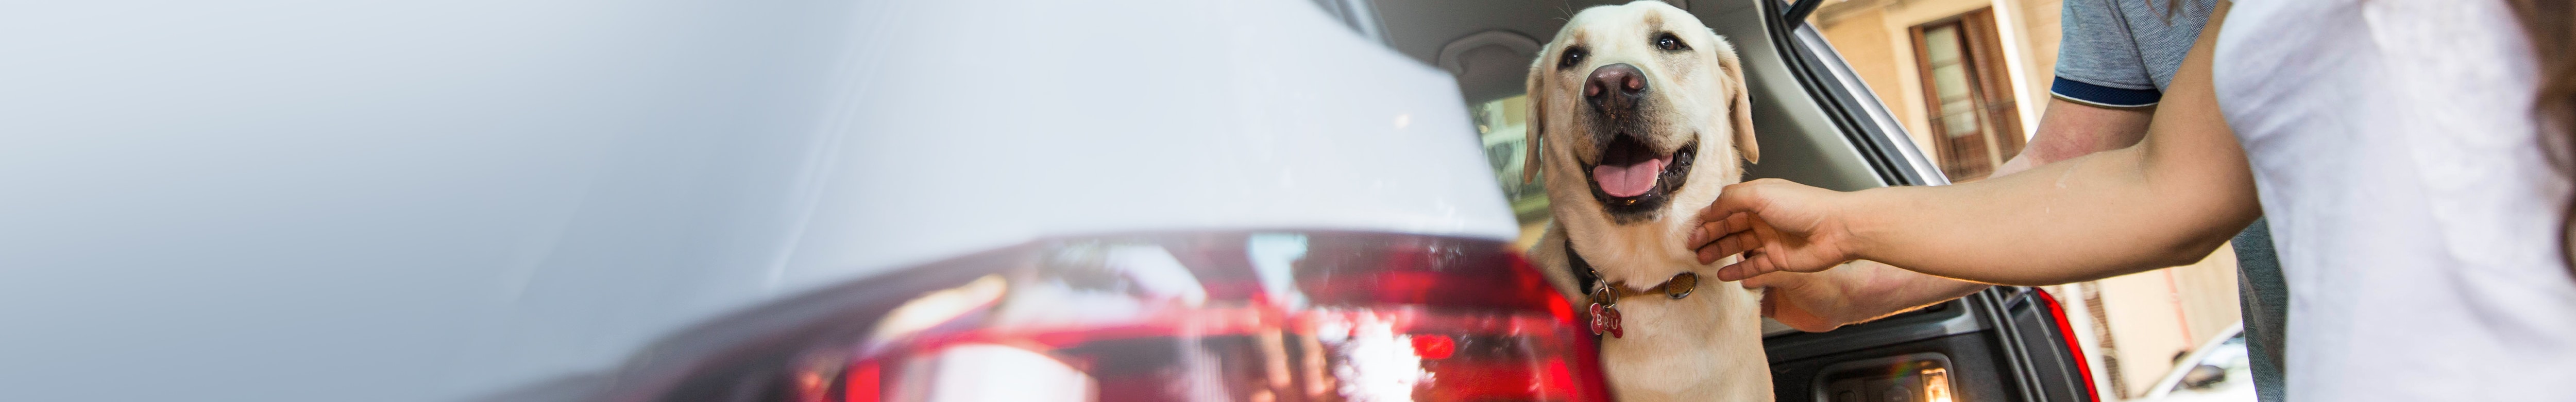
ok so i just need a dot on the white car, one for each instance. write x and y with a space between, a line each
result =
806 200
2219 371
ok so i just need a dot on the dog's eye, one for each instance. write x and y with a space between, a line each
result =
1669 43
1572 57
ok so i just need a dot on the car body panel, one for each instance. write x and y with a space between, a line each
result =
481 200
2227 353
425 201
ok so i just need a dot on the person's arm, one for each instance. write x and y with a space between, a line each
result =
2068 130
2168 200
1856 292
1822 301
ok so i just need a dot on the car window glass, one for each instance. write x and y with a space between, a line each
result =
1500 124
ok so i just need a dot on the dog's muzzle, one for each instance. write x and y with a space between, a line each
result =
1630 176
1615 90
1632 181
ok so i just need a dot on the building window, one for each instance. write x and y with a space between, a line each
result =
1967 95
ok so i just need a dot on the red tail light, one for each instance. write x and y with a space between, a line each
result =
2074 346
1313 316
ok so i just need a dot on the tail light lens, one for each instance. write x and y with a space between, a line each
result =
2074 346
1292 316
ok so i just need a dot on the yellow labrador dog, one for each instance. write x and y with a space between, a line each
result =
1638 117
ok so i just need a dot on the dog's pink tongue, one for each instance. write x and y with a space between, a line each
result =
1628 181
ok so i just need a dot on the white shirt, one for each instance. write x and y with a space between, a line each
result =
2415 212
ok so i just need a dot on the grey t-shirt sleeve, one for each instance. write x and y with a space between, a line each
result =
2122 53
2096 48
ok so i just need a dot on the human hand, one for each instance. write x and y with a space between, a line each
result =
1778 226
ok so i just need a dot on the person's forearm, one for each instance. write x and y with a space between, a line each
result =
2166 201
1891 290
1853 293
2092 217
2068 129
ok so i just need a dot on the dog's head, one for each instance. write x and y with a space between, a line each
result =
1634 99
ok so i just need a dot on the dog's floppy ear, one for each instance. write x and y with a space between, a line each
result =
1739 101
1536 121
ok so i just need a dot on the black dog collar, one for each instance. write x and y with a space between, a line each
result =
1604 296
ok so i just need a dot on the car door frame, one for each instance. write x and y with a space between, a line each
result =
2041 358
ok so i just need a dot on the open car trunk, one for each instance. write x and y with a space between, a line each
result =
1818 125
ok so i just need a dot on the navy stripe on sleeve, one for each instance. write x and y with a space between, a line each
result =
2097 95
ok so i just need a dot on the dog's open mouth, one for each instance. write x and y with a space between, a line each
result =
1631 178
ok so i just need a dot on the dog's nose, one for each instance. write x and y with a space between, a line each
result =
1615 86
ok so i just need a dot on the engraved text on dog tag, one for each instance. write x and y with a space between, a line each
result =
1605 319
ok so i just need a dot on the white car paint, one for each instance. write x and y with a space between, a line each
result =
2229 353
279 200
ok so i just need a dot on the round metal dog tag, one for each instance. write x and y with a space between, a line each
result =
1681 285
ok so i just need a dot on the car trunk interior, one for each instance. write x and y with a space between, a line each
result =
1814 128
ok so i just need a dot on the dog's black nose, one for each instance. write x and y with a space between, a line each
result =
1615 87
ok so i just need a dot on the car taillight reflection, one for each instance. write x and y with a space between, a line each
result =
1223 317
